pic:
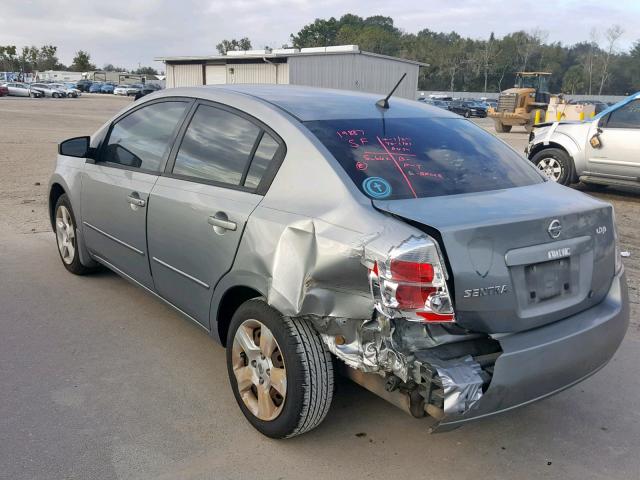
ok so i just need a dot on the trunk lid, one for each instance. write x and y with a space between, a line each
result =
521 257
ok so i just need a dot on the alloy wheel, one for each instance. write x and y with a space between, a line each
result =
258 366
551 168
65 235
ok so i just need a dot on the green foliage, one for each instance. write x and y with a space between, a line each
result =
465 64
8 58
109 67
30 58
145 71
82 62
573 81
233 44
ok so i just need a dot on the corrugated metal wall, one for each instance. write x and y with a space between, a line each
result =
216 74
184 75
257 73
359 72
283 73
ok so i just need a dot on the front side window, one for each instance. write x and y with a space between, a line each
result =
399 158
627 116
143 138
216 147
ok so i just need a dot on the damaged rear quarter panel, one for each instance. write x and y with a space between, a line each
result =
304 246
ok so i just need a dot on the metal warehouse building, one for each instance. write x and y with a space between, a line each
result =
344 67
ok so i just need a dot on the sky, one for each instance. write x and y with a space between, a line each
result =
131 32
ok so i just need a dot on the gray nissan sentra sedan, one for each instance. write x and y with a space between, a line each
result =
311 231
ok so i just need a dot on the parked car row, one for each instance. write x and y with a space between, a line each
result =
74 89
39 90
466 108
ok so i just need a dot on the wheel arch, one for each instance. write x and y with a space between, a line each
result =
58 187
232 291
55 192
555 145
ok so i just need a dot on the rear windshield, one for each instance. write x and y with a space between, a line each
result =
399 158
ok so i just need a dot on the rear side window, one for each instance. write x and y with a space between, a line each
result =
399 158
267 149
627 116
143 138
216 146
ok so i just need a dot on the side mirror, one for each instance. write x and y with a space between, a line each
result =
595 141
75 147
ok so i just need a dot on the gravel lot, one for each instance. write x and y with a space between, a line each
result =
99 380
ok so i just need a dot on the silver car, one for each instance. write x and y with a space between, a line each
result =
602 151
48 90
312 230
18 89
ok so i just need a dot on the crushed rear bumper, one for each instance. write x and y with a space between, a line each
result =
546 360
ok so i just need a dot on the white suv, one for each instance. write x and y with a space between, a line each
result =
605 150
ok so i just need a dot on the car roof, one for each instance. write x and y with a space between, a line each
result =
311 103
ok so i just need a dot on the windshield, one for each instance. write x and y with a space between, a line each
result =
617 106
540 83
401 158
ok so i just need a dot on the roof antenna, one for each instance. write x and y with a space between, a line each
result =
384 102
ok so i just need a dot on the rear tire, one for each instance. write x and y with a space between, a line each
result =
501 127
555 164
261 341
467 114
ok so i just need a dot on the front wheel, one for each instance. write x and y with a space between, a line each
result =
501 127
55 95
67 237
555 164
280 371
467 114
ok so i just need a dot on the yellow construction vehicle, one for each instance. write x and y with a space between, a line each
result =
525 104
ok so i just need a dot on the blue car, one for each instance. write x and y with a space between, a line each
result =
95 88
107 88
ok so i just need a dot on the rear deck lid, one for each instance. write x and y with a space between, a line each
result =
520 257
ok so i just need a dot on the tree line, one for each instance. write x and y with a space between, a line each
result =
594 66
32 58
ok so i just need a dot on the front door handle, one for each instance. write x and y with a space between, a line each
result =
221 221
134 199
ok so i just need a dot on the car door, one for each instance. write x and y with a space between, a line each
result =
21 90
619 151
116 187
198 210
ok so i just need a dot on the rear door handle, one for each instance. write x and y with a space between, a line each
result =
134 199
221 220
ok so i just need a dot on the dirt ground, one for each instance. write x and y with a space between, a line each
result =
31 129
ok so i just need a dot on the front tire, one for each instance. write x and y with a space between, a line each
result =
555 164
280 371
67 237
501 127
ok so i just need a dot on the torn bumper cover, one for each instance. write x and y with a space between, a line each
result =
546 360
461 381
530 365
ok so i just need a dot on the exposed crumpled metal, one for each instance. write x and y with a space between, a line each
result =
365 345
461 381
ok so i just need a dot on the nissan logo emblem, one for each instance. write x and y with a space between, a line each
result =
555 228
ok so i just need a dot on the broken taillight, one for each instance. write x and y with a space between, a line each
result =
411 283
